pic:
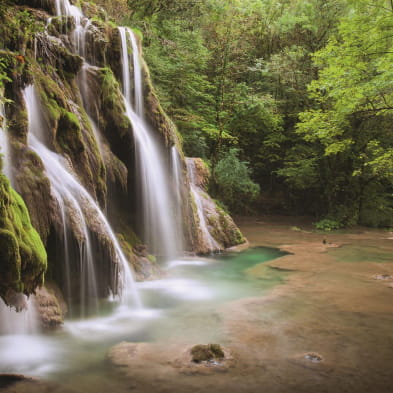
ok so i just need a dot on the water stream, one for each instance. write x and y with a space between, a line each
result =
177 173
197 193
76 204
183 304
157 208
4 144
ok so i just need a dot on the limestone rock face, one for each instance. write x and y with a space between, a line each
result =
214 229
51 306
83 119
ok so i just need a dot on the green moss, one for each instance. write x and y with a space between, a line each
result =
115 123
22 254
60 25
112 24
109 87
138 33
53 109
10 257
69 135
152 258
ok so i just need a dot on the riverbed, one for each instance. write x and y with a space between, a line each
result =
316 316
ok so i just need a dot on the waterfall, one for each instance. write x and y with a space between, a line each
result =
197 193
160 227
25 321
157 207
76 205
4 144
177 180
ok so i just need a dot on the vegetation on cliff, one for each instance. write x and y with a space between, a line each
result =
301 88
22 253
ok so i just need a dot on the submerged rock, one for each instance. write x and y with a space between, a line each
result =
382 277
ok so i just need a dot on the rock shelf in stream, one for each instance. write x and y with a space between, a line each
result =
170 360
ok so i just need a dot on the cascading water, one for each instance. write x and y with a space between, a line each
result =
197 193
157 202
4 144
177 180
25 321
76 204
82 25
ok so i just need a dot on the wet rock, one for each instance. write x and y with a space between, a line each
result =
47 5
314 357
16 300
169 361
204 353
7 380
222 231
51 306
382 277
17 383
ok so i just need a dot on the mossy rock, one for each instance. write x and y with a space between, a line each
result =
205 353
69 134
47 5
22 254
60 25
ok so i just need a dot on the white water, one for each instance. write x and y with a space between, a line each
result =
23 322
76 203
4 145
22 347
197 194
158 209
26 320
176 169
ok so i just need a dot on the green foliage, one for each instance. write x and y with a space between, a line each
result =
235 74
17 28
299 89
327 225
350 123
234 185
4 66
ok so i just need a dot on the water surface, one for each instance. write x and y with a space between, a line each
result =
184 303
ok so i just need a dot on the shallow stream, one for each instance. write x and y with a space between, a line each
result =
184 303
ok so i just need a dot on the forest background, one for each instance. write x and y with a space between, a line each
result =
289 102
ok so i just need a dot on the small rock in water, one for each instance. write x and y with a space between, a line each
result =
206 353
382 277
314 357
7 380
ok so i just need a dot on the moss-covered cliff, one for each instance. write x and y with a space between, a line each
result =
82 120
23 259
